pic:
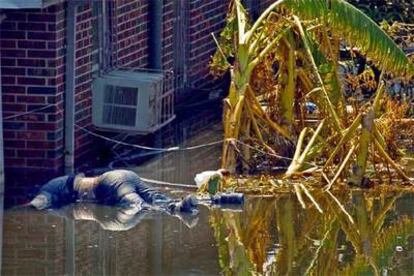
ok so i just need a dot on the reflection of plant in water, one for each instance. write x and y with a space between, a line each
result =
242 238
384 247
294 231
309 243
374 243
286 234
232 253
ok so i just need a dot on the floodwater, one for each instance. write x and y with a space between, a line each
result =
358 233
272 236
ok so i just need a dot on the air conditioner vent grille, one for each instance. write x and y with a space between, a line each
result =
119 115
120 105
121 95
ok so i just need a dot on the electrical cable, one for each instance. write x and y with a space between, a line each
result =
28 112
176 148
170 149
164 183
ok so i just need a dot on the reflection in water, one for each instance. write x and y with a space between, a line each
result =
358 234
114 218
43 243
271 236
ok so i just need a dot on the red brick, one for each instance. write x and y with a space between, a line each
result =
31 99
32 44
37 254
8 61
44 108
15 162
8 25
13 53
31 62
40 145
4 43
13 125
33 117
33 81
13 71
14 89
31 153
42 35
13 34
17 15
9 134
14 144
31 26
42 163
41 54
31 135
14 107
42 126
8 98
36 17
10 153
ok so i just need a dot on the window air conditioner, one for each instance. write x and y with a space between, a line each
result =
128 101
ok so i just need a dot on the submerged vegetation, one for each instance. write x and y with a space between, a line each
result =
288 94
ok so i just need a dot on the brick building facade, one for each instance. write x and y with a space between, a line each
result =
33 68
33 50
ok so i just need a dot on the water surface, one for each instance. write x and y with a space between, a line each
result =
272 236
358 233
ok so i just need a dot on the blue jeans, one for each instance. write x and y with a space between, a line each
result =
123 186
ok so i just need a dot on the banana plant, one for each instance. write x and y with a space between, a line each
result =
242 110
302 38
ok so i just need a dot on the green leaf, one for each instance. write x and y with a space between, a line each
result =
351 23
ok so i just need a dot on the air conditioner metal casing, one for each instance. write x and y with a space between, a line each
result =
150 101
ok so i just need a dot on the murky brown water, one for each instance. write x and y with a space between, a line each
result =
271 236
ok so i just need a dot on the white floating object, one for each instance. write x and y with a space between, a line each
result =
203 177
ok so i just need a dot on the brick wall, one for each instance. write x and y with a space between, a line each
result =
83 80
32 67
168 19
130 33
205 17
